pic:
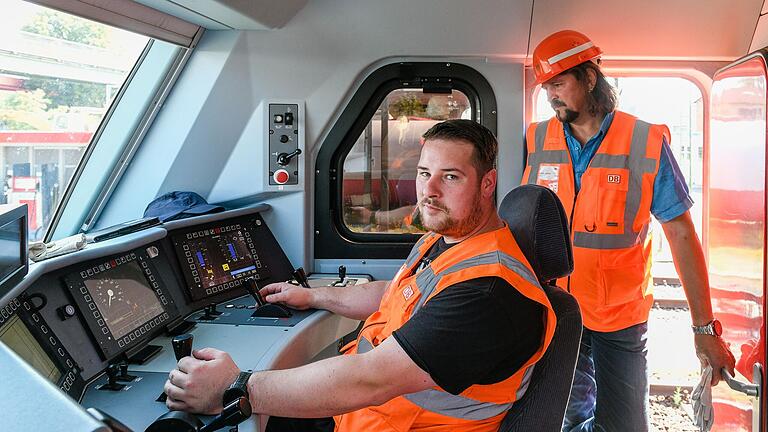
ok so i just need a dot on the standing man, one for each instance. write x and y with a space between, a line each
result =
446 346
611 172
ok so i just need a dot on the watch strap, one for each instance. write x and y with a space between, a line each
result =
706 329
237 389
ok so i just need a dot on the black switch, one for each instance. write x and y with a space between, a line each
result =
288 119
284 138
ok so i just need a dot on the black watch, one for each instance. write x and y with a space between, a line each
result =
238 389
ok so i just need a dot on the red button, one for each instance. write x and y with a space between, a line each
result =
281 176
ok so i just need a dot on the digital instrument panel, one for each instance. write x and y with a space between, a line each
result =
23 329
217 258
122 301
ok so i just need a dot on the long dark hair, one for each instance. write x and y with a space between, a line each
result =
603 98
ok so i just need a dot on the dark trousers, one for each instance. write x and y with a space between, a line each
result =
610 387
285 424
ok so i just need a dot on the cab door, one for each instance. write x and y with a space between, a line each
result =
735 236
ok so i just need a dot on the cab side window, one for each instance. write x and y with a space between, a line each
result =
378 187
365 172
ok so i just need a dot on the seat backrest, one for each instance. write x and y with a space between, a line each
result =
537 220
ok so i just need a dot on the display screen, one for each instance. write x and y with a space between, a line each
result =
124 299
18 338
10 247
218 259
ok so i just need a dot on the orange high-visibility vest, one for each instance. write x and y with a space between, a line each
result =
479 408
609 217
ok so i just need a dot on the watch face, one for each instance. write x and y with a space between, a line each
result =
717 327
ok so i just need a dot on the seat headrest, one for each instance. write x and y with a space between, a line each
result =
537 220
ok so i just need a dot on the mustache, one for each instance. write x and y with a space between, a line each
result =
556 103
434 203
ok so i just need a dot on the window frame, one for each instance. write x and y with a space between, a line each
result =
86 217
333 239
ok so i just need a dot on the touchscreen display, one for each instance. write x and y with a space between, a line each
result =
18 338
218 259
124 299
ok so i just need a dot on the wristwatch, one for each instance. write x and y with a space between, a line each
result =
238 389
712 328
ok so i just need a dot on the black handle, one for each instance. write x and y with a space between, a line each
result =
182 345
253 289
301 277
284 159
232 415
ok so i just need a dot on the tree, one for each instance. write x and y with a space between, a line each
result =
61 92
67 27
24 110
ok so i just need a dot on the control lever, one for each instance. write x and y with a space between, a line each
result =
124 376
112 384
342 276
232 415
264 309
182 345
301 277
284 159
210 312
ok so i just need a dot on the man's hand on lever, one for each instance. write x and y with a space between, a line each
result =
713 351
288 294
198 382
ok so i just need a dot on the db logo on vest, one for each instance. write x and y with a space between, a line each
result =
407 292
614 178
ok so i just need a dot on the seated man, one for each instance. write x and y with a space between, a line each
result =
446 345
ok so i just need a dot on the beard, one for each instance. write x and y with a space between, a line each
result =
445 224
568 116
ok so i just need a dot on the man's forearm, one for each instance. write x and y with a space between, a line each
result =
329 387
690 266
356 301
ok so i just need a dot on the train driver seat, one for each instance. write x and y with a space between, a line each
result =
537 220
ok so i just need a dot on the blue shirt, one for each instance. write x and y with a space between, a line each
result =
670 192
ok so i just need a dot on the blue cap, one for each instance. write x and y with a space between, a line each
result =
179 205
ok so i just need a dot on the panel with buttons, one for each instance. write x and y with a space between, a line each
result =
285 137
24 330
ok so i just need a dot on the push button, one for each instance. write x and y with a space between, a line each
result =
281 176
288 119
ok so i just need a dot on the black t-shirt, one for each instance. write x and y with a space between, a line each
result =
476 332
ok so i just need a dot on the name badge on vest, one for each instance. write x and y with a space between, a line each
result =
549 176
407 292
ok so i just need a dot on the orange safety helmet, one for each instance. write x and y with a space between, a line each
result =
561 51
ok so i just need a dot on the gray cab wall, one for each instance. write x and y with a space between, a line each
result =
204 138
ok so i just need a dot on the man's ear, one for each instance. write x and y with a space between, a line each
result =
591 79
488 183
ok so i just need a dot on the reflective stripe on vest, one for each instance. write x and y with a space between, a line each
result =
427 280
442 402
637 164
456 406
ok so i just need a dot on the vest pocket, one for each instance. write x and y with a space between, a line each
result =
613 184
623 275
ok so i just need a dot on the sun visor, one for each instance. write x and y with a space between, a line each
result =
131 16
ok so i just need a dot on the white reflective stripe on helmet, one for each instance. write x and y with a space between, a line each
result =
565 54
